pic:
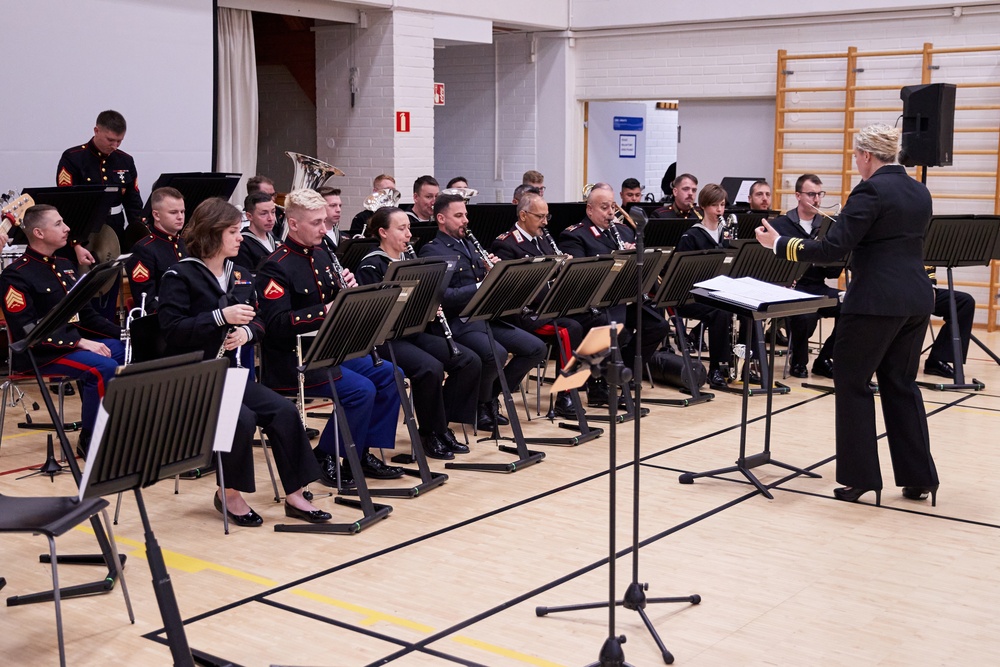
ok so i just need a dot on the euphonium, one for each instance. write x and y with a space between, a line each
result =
465 193
310 172
381 199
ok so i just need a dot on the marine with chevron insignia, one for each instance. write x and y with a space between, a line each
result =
158 251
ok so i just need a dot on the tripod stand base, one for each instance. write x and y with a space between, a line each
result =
510 466
381 512
612 654
743 466
51 467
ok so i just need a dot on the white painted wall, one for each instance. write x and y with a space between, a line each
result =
67 61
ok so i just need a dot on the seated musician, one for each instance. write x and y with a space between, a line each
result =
631 191
334 206
941 357
685 189
264 184
425 357
452 241
522 189
89 348
425 192
161 249
360 221
601 234
803 222
707 235
258 238
760 196
208 306
528 239
297 284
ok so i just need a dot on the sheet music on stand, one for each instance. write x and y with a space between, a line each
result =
749 292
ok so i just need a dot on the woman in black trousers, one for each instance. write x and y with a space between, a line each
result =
207 304
883 319
425 356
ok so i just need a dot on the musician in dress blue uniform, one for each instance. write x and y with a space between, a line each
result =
156 253
297 284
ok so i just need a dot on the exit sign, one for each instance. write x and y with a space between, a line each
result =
402 121
439 94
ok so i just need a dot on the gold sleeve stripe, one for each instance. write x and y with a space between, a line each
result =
792 250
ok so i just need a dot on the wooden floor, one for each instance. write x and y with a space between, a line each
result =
454 576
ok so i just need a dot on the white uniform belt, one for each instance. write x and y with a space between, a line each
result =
115 210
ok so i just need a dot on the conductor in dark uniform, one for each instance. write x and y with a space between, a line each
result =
297 284
425 357
158 251
601 234
882 321
101 162
527 239
527 350
88 349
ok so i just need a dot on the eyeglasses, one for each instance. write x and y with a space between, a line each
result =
820 194
546 216
541 189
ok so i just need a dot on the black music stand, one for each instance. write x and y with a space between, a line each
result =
421 234
427 279
684 270
565 214
352 251
196 186
799 303
507 290
624 290
955 240
488 221
142 444
748 221
603 357
80 294
358 320
666 232
84 208
576 285
753 260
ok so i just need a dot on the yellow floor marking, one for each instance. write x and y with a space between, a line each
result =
507 653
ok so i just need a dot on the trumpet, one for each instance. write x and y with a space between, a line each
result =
453 350
381 199
479 248
133 314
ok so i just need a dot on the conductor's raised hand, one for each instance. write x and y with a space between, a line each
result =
766 235
239 314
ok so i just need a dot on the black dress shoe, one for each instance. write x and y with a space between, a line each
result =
503 421
435 448
484 417
823 367
67 389
852 494
798 371
310 516
328 471
249 520
312 433
921 493
939 368
373 467
452 443
717 379
564 406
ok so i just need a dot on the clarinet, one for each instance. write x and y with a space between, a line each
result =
552 241
479 248
614 232
453 350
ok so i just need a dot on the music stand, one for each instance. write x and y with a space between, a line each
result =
141 444
623 290
797 303
684 270
748 221
577 283
358 320
956 240
84 208
196 186
426 278
565 214
79 295
352 251
421 234
507 289
666 232
488 221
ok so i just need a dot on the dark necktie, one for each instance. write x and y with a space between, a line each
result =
538 246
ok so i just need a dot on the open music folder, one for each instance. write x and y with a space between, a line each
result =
750 292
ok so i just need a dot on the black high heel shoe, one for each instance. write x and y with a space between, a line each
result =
852 494
920 493
249 520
